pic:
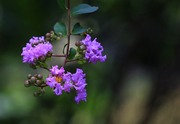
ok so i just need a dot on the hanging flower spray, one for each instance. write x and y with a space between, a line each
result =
39 50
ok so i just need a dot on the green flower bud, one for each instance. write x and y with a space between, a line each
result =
36 94
80 62
60 34
42 91
58 38
35 60
78 56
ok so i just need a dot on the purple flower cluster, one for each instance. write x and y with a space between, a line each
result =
61 81
35 48
93 51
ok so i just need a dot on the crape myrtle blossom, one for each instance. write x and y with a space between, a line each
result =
93 51
59 80
35 48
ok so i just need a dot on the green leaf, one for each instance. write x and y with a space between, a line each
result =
72 53
83 8
45 65
62 4
64 47
78 29
60 27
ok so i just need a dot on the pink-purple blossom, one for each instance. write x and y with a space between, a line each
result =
59 80
31 52
94 50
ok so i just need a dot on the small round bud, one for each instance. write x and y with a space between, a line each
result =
82 47
77 43
31 65
40 76
58 38
84 61
42 91
33 79
49 54
29 76
38 82
27 83
52 32
47 39
80 51
84 52
42 58
35 75
60 34
54 36
36 94
48 35
80 62
35 60
78 56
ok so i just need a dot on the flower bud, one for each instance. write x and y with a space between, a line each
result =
48 35
27 83
49 54
54 36
42 58
29 76
60 34
38 82
58 38
39 76
77 43
36 94
80 62
78 56
35 75
84 52
52 32
33 79
82 47
32 65
42 91
35 60
47 39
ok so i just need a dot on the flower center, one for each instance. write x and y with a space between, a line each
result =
58 79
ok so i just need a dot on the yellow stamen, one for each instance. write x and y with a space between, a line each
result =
58 79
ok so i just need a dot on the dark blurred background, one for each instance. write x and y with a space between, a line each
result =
138 83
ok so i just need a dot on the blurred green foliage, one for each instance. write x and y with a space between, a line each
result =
141 39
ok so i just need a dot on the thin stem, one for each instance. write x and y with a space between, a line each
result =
73 60
69 33
58 55
40 85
